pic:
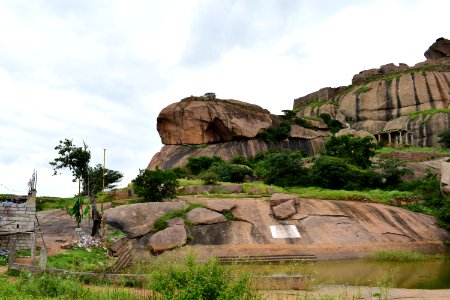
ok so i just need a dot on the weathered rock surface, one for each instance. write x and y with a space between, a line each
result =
279 198
356 133
284 210
205 216
440 48
167 239
137 219
175 222
221 205
445 178
177 155
200 189
305 133
196 120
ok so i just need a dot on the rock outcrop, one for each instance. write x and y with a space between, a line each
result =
205 216
390 99
439 49
168 239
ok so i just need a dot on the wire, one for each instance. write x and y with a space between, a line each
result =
11 190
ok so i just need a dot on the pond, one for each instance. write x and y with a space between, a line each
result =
432 274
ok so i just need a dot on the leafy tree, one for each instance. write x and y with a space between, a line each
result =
72 157
279 133
337 173
209 177
392 170
283 169
357 151
155 185
445 138
197 164
240 160
95 179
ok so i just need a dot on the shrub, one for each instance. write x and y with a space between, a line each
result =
445 138
337 173
230 172
197 164
155 185
209 177
283 169
200 281
274 134
391 170
355 150
181 172
240 160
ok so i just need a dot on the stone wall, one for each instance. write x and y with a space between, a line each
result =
17 220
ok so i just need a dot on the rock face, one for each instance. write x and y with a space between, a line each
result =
439 49
168 239
445 178
389 99
196 120
205 216
137 219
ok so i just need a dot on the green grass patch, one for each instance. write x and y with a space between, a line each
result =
429 112
363 89
376 195
114 234
161 223
81 260
401 256
260 185
412 149
189 182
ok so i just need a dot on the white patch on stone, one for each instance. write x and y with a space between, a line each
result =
284 232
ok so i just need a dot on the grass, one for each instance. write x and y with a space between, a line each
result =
401 256
363 89
412 149
260 185
377 195
114 234
429 112
161 223
80 260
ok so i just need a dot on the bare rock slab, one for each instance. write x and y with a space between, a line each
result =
221 205
168 239
284 210
205 216
137 219
175 222
279 198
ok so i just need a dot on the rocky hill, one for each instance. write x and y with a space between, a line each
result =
397 104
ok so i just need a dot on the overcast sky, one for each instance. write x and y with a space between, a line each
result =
100 71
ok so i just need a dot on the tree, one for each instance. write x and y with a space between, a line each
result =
155 185
445 138
197 164
95 179
283 169
357 151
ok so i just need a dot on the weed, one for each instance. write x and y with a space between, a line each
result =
400 256
80 260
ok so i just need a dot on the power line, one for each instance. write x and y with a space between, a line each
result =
11 190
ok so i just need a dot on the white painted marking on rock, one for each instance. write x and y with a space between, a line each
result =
284 232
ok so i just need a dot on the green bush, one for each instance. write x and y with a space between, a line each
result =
357 151
283 169
391 171
337 173
200 282
230 172
274 134
155 185
181 172
197 164
240 160
445 138
209 177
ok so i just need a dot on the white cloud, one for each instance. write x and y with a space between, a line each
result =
100 71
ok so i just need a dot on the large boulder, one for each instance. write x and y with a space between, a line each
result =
284 210
445 178
168 239
137 219
356 133
205 216
198 120
440 48
279 198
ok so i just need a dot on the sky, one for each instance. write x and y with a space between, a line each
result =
100 71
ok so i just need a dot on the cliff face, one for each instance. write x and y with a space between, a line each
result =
416 97
201 126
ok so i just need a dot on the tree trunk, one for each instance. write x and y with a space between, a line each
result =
96 216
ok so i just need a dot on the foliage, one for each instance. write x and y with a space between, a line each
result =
197 164
181 172
155 185
200 281
302 122
95 178
283 169
46 203
80 260
363 89
444 138
428 112
333 125
276 134
240 160
391 171
289 114
209 177
230 172
355 150
161 223
72 157
337 173
400 256
77 211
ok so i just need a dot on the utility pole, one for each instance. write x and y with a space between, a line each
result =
103 178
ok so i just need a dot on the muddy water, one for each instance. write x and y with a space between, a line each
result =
434 274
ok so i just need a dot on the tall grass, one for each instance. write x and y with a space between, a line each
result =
400 256
80 260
